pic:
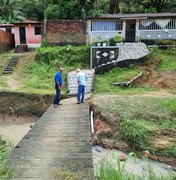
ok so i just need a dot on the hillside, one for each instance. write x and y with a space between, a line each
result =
141 117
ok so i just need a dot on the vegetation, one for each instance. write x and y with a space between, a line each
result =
5 172
145 121
16 10
147 115
103 83
110 170
42 66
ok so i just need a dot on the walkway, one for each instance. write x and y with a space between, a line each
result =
57 146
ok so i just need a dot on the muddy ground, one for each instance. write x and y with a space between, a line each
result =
152 77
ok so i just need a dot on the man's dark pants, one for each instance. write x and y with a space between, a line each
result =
57 96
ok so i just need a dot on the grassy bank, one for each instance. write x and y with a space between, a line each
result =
5 172
35 70
144 115
145 122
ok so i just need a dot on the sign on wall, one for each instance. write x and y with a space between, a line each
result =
103 55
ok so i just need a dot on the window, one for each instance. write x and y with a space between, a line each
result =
37 30
8 29
105 25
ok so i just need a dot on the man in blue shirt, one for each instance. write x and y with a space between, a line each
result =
81 79
58 82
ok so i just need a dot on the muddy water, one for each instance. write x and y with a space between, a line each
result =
14 128
13 133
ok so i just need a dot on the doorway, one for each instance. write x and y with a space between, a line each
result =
22 35
130 31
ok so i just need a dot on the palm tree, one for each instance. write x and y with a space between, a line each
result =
9 11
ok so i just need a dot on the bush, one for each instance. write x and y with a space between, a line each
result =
44 43
165 42
134 131
65 55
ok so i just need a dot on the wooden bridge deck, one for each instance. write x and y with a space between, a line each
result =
57 146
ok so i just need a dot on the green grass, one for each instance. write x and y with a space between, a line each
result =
36 73
4 58
5 172
168 61
143 119
103 83
116 171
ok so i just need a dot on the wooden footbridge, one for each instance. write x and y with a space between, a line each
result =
57 147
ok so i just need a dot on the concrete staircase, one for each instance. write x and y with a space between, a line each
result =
21 48
72 81
11 65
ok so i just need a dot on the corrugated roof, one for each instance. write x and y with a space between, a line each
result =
135 16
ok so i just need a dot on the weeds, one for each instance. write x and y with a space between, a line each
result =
144 121
134 131
116 171
5 172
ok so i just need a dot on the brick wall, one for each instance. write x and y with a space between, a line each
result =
6 41
61 32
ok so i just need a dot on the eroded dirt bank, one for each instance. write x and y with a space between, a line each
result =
107 128
19 112
20 104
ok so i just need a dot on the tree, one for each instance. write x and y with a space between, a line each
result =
159 5
114 7
9 12
73 9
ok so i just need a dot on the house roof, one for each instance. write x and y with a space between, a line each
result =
6 25
136 16
28 21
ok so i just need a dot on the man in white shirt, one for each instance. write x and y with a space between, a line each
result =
81 79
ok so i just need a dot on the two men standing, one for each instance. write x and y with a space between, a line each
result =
58 82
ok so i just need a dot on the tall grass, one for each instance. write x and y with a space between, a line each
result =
116 171
6 173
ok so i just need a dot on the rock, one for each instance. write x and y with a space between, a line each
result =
151 156
132 51
98 149
122 157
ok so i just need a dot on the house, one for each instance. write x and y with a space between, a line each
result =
7 27
28 33
132 27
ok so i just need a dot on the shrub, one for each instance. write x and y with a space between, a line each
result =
65 55
134 131
44 43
